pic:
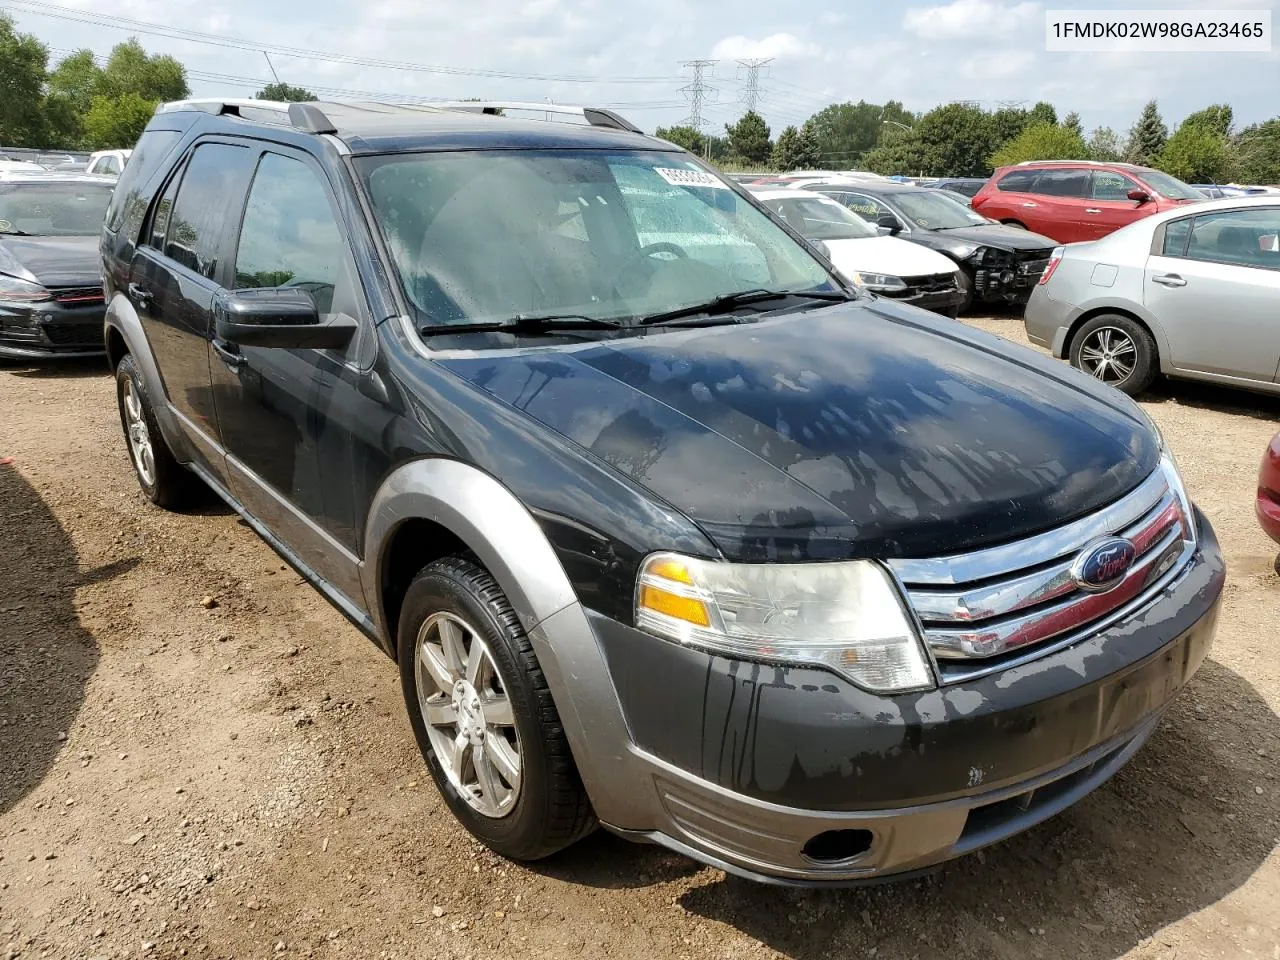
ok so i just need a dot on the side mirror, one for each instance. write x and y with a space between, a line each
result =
277 317
888 224
1140 196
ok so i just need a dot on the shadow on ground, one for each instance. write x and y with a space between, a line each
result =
1178 829
55 369
1212 396
46 657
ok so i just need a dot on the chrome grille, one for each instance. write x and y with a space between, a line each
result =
986 610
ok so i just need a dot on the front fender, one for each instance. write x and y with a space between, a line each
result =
510 544
122 318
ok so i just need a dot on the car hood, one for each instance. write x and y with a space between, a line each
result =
997 235
52 261
886 255
862 429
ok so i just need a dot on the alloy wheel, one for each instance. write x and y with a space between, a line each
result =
139 436
1108 354
467 714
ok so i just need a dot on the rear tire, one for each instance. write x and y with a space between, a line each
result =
483 715
1116 350
165 481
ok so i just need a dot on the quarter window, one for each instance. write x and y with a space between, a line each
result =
290 238
1063 183
1018 181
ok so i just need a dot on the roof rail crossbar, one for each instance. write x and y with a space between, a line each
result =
595 116
306 117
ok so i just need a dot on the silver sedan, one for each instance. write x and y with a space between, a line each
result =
1194 292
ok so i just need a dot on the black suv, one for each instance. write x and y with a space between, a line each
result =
667 529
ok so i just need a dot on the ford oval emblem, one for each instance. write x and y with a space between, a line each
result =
1102 564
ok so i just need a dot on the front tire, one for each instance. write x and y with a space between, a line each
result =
165 481
1117 350
483 715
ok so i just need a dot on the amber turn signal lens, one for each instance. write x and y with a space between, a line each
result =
673 605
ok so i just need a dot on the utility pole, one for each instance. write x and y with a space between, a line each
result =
751 90
697 91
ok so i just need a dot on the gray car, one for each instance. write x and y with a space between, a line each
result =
1194 292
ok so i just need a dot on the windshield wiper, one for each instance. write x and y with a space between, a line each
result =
731 301
523 323
15 233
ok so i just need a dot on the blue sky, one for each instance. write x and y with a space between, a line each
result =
627 54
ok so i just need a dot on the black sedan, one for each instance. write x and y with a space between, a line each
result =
966 186
51 302
1001 264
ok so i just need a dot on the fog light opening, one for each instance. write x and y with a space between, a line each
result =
837 846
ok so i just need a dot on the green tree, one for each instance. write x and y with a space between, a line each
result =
75 80
846 131
1006 123
1104 145
1042 141
1042 113
1072 123
682 136
1195 153
1216 119
785 150
1257 153
23 62
1147 137
285 93
808 153
749 137
130 70
114 122
951 140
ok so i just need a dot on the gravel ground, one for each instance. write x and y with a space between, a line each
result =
198 757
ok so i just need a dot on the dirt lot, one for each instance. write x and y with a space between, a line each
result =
240 780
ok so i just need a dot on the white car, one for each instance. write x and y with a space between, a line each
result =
884 265
108 162
20 166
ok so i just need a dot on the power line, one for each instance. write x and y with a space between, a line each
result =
751 92
128 24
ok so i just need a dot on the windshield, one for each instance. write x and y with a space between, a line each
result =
1170 187
53 209
482 237
935 211
817 219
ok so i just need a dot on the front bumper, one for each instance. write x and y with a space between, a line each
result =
793 776
52 329
939 299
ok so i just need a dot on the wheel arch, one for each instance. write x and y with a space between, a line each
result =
435 503
1098 310
123 334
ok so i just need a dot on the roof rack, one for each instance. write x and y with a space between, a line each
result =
1077 163
595 116
311 118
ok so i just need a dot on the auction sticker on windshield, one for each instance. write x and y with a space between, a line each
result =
690 178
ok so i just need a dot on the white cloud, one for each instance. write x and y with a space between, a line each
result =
777 46
996 66
969 19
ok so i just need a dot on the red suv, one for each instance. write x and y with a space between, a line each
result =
1072 200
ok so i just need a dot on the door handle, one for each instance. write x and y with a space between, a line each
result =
1092 210
1168 280
232 357
140 294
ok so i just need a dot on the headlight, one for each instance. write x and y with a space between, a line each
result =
845 616
878 281
964 253
13 290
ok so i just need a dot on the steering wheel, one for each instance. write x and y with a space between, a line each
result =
645 253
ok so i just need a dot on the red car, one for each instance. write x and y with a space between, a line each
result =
1073 200
1268 502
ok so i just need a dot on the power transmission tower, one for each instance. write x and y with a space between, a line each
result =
751 90
697 91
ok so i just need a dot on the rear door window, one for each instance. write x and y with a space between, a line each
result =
1243 238
195 234
1063 183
